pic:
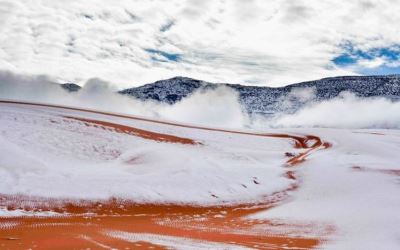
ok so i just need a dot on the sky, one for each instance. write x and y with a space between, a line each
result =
253 42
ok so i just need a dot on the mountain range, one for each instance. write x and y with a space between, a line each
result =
269 100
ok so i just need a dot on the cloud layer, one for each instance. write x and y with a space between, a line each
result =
134 42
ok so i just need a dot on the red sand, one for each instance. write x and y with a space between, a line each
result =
136 132
218 224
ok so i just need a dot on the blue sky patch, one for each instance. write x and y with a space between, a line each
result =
174 57
345 60
351 56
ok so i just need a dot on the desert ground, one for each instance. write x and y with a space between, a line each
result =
83 179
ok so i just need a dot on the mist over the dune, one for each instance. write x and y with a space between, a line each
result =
95 94
344 111
219 107
214 107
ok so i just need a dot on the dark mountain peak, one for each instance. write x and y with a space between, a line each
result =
168 90
179 80
71 87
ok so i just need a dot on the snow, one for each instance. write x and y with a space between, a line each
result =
352 186
47 155
362 205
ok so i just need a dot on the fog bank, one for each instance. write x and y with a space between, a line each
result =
219 107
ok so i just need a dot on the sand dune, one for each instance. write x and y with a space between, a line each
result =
77 178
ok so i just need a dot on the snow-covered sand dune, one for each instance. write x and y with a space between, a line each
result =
354 186
58 153
115 181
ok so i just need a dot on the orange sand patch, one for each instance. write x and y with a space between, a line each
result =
145 134
215 224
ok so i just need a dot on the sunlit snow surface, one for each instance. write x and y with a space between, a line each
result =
72 171
45 154
354 186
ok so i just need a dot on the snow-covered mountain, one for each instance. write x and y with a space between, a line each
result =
267 100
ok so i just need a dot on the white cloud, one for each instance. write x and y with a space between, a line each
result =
376 62
262 42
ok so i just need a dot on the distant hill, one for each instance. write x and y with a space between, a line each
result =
266 100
